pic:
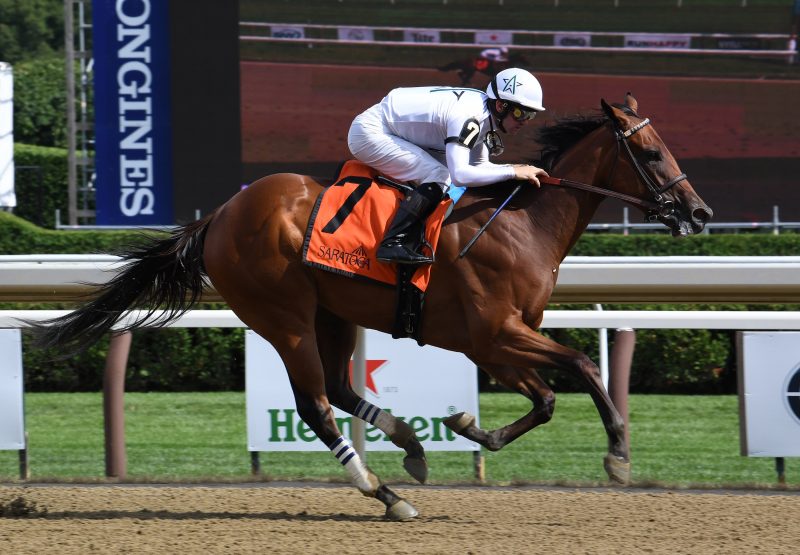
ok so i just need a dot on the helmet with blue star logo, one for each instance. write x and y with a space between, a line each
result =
517 86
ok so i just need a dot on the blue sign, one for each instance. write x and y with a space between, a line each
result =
133 148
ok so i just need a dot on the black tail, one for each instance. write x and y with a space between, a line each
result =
162 274
454 65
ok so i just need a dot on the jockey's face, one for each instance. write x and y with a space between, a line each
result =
515 118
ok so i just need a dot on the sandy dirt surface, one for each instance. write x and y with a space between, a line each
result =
308 519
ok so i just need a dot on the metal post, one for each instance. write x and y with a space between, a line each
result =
478 462
602 338
780 469
69 52
255 463
621 359
776 220
114 404
24 468
358 426
625 221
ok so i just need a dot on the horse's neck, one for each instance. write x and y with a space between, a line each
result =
567 212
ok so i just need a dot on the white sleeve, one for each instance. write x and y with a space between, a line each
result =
464 174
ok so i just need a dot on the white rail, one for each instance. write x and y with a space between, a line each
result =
614 319
788 53
719 279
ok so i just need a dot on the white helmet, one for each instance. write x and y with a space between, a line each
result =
517 86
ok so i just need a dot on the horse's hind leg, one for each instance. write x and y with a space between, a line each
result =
336 339
306 375
525 382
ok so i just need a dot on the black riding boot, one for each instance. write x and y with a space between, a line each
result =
402 239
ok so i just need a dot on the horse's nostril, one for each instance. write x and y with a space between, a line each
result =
702 214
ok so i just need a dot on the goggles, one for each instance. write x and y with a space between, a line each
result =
522 114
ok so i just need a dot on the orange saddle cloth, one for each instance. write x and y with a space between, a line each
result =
349 221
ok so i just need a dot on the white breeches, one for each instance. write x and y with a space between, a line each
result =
372 142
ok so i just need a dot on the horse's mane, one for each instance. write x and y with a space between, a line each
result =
557 137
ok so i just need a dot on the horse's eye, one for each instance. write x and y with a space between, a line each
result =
652 156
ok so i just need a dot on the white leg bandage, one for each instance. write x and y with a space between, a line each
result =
367 412
346 455
381 419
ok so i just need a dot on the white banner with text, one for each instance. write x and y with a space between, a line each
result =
493 37
769 393
421 35
653 40
12 420
355 33
421 385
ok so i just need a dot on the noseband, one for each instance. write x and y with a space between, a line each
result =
662 208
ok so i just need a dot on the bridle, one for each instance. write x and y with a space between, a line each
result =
658 207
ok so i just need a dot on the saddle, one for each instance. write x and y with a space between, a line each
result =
345 229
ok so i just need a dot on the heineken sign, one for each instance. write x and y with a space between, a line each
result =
420 385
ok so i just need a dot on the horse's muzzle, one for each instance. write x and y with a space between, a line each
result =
684 221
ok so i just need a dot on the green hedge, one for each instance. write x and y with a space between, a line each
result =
40 183
666 361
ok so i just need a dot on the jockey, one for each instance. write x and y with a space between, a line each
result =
440 139
495 54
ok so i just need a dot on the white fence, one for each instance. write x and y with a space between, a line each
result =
562 41
581 279
662 279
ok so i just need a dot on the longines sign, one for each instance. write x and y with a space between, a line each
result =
132 112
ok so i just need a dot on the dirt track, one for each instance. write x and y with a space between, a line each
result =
271 519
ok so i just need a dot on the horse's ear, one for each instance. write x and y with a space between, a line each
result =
631 103
607 109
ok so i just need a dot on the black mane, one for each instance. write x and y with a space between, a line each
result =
560 135
557 137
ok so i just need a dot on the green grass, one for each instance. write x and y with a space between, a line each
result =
678 441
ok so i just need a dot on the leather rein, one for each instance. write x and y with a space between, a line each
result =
658 207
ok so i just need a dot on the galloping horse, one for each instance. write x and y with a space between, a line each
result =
468 67
487 304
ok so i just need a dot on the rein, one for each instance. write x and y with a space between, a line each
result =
656 208
644 203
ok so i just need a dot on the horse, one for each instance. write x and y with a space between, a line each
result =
487 304
468 67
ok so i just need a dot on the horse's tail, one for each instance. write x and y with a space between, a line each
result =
451 66
161 274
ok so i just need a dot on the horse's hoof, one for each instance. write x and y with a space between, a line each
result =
417 468
618 469
459 422
401 511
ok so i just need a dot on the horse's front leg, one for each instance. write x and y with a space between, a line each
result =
525 382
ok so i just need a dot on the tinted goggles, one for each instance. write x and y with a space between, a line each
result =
521 114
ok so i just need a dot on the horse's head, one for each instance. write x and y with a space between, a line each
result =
646 169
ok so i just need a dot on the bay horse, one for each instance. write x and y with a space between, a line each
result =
487 304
